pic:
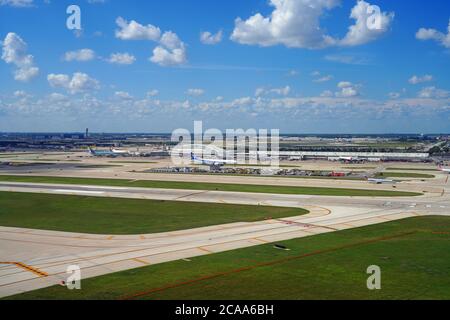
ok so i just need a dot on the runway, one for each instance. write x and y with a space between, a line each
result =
33 259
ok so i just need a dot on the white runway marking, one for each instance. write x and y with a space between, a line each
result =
78 191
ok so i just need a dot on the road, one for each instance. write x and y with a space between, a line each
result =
33 259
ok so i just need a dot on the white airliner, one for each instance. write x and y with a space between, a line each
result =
444 169
210 162
112 153
380 181
120 152
349 159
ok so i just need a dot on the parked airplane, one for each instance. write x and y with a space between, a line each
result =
210 162
112 153
349 159
444 169
380 181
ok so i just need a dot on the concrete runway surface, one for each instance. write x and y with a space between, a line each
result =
33 259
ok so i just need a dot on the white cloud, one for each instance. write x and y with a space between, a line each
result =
79 83
136 31
348 90
172 51
327 94
324 78
152 93
121 58
15 52
296 23
347 59
57 97
433 34
211 39
80 55
123 95
277 91
17 3
360 33
195 92
416 79
433 93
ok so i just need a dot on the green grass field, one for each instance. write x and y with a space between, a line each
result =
405 175
211 186
413 254
412 169
123 216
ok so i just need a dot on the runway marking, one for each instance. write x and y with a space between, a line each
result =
141 261
78 191
110 238
261 240
304 225
25 267
142 237
191 194
264 264
205 250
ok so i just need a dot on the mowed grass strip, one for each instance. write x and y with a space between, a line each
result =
123 216
412 169
413 254
212 186
405 175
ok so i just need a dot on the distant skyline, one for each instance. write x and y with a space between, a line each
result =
301 66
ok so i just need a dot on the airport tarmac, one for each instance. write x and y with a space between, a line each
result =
33 259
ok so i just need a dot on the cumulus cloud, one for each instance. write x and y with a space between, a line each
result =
170 52
121 58
347 90
416 79
211 39
296 24
136 31
82 55
433 34
78 83
15 52
366 28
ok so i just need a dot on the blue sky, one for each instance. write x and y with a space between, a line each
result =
301 66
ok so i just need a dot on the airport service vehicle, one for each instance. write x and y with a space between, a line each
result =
380 181
337 174
210 162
